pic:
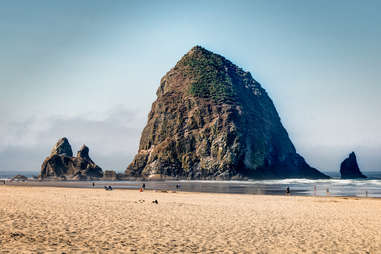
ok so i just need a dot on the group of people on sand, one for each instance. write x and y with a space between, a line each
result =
105 187
288 191
143 187
327 191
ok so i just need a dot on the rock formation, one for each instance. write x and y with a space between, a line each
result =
349 168
110 175
19 178
62 148
212 120
62 165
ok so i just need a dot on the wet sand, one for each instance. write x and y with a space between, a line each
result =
299 187
78 220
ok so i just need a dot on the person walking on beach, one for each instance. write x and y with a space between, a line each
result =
288 190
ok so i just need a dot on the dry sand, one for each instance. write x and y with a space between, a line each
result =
48 219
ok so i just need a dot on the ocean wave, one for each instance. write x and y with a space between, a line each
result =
297 181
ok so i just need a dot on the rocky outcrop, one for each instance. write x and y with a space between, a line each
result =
19 178
349 168
61 164
111 175
212 120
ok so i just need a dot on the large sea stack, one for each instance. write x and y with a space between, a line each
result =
349 169
212 120
61 164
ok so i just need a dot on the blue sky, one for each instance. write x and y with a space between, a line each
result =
89 70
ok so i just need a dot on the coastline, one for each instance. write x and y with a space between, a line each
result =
137 189
51 219
299 187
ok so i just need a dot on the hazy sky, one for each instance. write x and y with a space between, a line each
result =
89 70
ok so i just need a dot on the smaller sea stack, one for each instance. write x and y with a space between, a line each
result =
349 168
61 164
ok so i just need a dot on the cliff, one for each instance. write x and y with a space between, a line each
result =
212 120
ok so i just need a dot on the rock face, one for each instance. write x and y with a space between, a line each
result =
62 148
349 168
62 165
212 120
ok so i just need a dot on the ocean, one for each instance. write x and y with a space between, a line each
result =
370 187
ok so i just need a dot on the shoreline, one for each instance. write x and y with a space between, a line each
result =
81 185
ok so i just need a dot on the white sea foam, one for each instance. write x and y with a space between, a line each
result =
297 181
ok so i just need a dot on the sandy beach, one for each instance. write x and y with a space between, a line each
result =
74 220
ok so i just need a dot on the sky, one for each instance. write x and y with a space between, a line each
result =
89 71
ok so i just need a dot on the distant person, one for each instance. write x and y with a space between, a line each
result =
93 184
177 186
327 191
144 186
109 187
366 193
315 190
288 190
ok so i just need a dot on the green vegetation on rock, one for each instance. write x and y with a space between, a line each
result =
210 76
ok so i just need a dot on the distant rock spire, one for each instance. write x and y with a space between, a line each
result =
349 168
83 152
62 147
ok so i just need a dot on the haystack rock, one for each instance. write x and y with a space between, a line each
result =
212 120
62 165
349 168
